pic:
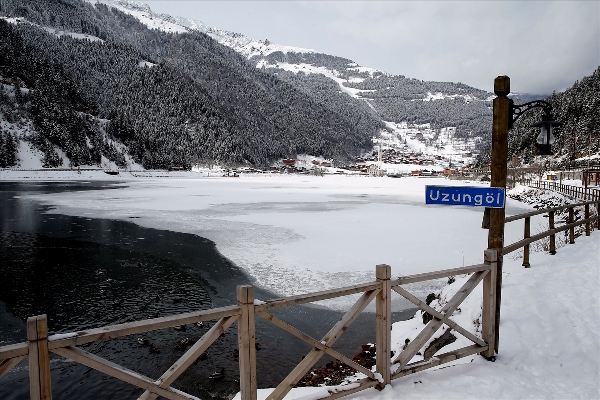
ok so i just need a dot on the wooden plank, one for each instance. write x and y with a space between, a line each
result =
341 392
43 357
439 360
246 342
509 249
315 354
436 314
415 345
119 372
544 211
526 235
315 343
190 356
130 328
317 296
340 327
572 228
383 313
14 350
35 390
439 274
488 309
8 364
587 216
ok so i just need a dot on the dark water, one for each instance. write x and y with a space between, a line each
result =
86 272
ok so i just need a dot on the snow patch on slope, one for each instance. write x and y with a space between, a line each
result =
242 44
146 16
56 32
311 69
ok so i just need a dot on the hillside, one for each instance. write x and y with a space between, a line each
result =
578 139
405 105
171 99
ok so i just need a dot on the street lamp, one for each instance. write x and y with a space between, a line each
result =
505 114
545 138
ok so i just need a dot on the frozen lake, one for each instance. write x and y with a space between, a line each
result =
296 234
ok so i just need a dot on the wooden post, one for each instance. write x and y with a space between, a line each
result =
488 312
501 119
598 214
383 309
587 216
572 229
526 234
39 358
246 342
552 237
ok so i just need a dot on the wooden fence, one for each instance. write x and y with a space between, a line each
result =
570 225
576 192
39 344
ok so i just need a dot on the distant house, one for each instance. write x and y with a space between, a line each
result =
416 173
590 176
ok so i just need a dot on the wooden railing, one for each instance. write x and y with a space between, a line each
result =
570 225
576 192
39 344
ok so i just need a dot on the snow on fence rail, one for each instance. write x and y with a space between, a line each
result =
39 344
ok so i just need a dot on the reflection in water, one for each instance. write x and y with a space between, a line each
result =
85 272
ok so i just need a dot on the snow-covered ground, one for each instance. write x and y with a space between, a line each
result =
549 340
294 233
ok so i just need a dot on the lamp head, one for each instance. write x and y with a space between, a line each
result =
545 138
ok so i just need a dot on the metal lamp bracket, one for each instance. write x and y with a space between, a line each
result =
516 110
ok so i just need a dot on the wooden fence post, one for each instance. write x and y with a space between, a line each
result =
246 342
552 237
383 309
587 216
488 312
598 212
572 229
526 235
39 358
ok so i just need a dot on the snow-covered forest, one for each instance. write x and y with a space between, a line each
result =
579 109
171 98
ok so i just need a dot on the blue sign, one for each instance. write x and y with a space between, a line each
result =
465 196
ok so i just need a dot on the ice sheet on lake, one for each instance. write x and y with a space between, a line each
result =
297 234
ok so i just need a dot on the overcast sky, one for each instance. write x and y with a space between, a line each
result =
541 45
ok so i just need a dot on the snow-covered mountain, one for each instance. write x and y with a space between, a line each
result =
441 119
415 112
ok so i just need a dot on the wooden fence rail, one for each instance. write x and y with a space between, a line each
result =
570 225
576 192
39 344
